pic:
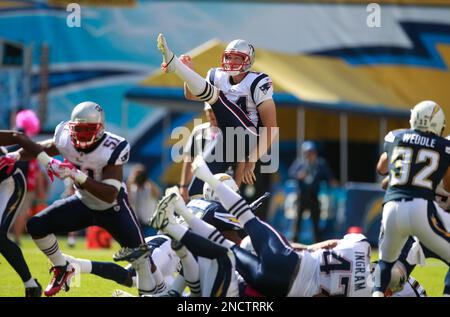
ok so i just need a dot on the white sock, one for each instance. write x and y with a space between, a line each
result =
234 203
30 283
159 280
50 247
204 173
175 230
209 232
145 280
191 271
185 213
84 265
178 284
196 83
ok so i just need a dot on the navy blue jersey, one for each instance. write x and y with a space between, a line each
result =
417 163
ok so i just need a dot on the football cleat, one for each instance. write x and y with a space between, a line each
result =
178 201
34 291
131 254
61 278
167 54
164 212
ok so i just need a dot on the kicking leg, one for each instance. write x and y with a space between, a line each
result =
227 112
197 85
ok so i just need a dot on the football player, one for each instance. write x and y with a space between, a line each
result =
159 247
443 199
238 97
417 159
95 160
277 269
12 192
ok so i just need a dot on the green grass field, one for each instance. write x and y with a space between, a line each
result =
90 285
431 276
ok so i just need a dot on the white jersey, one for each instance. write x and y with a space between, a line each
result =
341 271
110 150
254 89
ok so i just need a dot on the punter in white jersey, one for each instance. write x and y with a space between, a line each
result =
95 160
238 97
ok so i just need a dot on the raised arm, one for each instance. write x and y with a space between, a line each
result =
29 150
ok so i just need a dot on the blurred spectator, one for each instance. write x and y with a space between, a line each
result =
143 195
309 171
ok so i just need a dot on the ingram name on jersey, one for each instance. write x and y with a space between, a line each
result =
254 89
110 150
417 163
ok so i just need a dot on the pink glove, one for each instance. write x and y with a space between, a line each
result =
67 169
54 169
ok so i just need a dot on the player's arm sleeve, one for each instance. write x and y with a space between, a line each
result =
121 154
261 89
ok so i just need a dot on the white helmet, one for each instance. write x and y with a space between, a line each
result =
427 116
238 48
87 124
208 192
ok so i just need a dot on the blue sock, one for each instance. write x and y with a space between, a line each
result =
382 275
112 271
